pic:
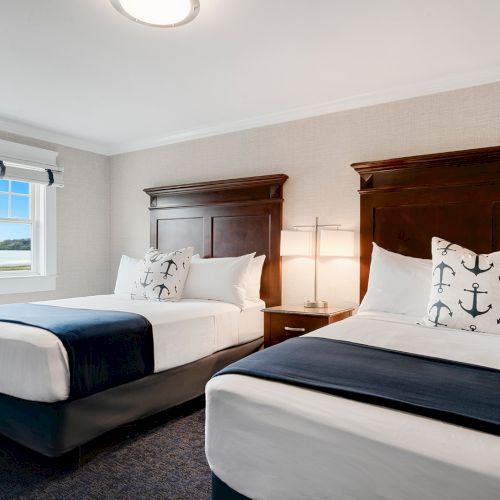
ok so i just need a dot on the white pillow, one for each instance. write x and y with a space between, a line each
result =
397 284
221 279
162 276
465 290
127 274
254 277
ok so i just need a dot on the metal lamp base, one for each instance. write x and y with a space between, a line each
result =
316 303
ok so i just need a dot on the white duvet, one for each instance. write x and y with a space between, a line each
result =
275 441
34 363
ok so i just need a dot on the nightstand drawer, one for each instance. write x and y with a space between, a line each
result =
282 322
284 326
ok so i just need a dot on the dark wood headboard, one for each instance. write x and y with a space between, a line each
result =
407 201
224 219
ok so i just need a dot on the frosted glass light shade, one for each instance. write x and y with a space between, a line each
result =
296 243
161 13
336 243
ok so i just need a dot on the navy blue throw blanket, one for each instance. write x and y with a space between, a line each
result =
450 391
105 348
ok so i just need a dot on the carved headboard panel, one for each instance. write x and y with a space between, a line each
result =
407 201
224 219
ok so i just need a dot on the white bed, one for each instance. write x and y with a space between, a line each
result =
269 440
34 363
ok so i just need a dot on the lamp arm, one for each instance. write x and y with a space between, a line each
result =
316 255
316 303
319 225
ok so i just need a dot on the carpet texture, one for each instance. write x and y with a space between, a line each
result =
162 458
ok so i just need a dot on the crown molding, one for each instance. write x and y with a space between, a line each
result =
52 136
456 82
400 93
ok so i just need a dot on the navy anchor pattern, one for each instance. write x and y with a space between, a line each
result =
146 282
465 289
162 287
169 263
439 271
439 306
442 268
447 248
162 276
474 311
477 268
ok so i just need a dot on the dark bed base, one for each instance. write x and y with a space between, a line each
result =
221 491
57 428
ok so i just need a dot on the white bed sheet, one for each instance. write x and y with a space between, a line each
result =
275 441
34 363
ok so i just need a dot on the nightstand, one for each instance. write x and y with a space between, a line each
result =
284 322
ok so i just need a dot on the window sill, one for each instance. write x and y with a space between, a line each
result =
26 284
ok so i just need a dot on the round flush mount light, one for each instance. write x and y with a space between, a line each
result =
158 13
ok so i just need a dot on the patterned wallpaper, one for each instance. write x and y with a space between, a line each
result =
316 153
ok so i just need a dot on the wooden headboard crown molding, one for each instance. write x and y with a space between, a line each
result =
222 191
454 157
224 218
238 183
382 173
404 202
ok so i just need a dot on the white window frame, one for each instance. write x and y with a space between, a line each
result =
42 276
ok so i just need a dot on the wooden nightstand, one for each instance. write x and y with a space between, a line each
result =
284 322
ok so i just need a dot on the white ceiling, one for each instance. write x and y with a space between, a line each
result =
78 73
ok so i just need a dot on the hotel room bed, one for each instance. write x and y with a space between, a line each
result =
271 440
191 339
34 363
267 439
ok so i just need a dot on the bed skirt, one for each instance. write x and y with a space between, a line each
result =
221 491
54 429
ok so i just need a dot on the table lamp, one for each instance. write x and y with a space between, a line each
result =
320 240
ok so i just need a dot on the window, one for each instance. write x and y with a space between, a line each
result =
27 237
29 178
17 213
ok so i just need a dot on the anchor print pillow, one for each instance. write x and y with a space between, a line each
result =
161 276
465 291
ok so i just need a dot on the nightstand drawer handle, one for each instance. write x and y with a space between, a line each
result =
292 329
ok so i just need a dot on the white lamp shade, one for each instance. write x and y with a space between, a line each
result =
296 243
335 243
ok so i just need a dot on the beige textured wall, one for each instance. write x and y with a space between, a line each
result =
102 212
316 153
83 209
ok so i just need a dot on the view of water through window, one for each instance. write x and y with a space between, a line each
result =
15 226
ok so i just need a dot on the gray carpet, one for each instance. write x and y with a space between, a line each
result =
161 458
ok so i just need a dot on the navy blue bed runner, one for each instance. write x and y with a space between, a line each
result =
450 391
105 348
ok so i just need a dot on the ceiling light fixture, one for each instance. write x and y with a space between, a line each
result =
158 13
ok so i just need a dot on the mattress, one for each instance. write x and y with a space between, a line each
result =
271 440
34 363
